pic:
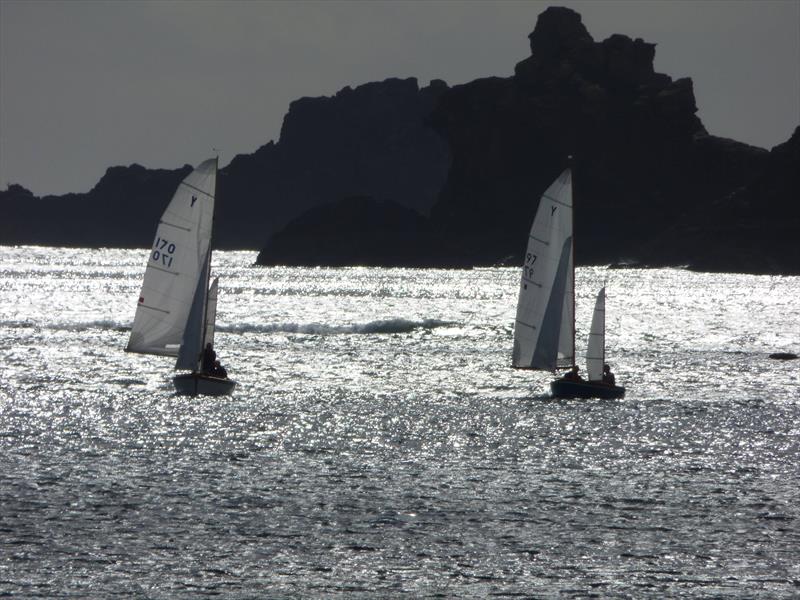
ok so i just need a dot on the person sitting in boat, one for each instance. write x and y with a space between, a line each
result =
573 374
219 371
608 376
209 358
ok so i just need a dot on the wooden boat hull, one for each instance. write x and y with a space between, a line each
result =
197 384
563 388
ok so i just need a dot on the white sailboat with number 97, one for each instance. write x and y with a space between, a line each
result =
176 311
544 332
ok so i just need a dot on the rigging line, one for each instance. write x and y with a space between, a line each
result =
526 324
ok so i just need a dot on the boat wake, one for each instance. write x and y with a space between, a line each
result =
386 326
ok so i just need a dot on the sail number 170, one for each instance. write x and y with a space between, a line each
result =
163 252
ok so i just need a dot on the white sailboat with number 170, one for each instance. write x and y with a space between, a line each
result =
177 307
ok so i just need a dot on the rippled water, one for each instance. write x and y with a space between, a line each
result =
380 445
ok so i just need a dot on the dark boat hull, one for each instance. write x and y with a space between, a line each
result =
197 384
563 388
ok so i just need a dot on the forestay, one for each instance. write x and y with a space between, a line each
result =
544 328
595 353
175 265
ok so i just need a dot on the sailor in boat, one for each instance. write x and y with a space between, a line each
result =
608 376
573 374
210 365
219 371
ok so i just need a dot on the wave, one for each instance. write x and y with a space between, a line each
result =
386 326
75 326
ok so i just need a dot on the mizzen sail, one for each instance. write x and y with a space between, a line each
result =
595 353
211 312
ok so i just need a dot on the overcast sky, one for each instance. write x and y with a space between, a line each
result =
85 85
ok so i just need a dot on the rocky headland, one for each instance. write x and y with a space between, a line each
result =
391 173
368 141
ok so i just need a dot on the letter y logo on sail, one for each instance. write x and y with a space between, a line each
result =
194 199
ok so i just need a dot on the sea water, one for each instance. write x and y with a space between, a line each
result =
380 445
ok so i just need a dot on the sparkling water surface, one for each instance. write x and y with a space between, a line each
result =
380 445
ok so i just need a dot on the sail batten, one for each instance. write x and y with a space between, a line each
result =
161 310
545 305
175 226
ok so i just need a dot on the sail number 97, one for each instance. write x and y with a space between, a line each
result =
163 252
528 267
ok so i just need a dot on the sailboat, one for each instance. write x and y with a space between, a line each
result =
176 311
544 331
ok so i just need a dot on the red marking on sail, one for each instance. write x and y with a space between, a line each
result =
141 299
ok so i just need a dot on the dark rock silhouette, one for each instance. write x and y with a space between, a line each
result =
652 187
122 210
753 229
353 231
645 168
371 140
643 160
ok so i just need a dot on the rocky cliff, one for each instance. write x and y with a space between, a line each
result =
353 231
652 187
643 160
647 174
122 210
370 140
754 229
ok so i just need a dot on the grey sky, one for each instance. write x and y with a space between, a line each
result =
85 85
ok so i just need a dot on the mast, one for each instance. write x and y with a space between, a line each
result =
207 281
570 164
604 325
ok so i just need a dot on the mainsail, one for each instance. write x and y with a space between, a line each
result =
544 329
177 264
595 353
